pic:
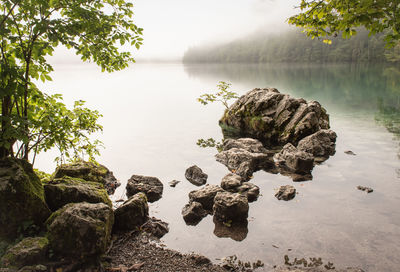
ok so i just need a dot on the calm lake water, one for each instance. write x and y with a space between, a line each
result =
152 122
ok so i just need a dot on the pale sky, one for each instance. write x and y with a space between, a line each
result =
172 26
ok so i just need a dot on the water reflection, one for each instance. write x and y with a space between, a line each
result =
235 230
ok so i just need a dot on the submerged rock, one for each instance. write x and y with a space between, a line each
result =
230 207
319 144
273 118
80 230
61 191
286 193
205 196
195 175
294 159
132 213
193 213
91 172
29 251
150 186
349 152
21 198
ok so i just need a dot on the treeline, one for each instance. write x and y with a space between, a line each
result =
294 46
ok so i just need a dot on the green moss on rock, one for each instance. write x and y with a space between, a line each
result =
21 198
66 190
27 252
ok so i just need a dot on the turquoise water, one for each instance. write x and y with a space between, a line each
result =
152 122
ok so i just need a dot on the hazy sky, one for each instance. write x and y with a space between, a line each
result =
171 26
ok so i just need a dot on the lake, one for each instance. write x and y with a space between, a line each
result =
152 122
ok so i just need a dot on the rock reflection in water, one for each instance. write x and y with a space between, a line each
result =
235 230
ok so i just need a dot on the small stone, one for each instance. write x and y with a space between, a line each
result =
196 176
349 152
366 189
173 183
286 193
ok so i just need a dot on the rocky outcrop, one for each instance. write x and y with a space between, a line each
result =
295 160
273 118
61 191
196 176
193 213
286 193
132 213
233 183
320 144
230 207
150 186
205 196
27 252
80 230
89 171
21 198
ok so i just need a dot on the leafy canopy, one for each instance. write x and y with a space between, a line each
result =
30 30
321 18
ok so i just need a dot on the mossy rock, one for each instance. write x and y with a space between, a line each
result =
21 198
89 171
29 251
62 191
80 230
132 213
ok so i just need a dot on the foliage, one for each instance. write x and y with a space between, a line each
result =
321 18
210 142
223 95
29 32
294 46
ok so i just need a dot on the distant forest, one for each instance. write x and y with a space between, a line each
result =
295 46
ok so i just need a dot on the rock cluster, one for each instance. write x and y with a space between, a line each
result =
273 118
72 207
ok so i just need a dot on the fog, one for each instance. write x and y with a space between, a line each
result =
171 27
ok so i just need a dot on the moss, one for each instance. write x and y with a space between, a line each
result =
28 251
21 198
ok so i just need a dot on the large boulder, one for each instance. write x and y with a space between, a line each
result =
132 213
273 118
22 199
80 230
193 213
205 196
319 144
61 191
29 251
196 176
230 207
295 160
150 186
89 171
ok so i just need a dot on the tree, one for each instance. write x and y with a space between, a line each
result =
321 18
30 30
